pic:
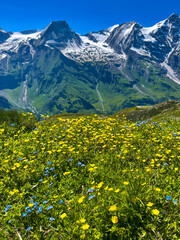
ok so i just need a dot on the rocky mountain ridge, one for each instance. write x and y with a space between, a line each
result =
58 70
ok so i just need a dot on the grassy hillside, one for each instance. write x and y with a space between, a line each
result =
14 118
169 109
90 177
56 84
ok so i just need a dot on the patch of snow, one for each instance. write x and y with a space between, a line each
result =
1 30
124 32
170 73
32 51
99 96
3 56
100 37
168 55
89 50
7 65
93 51
154 28
141 51
48 46
149 30
24 91
147 37
128 30
16 38
110 29
103 35
136 87
51 41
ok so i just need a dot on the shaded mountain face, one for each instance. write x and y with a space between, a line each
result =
57 70
3 35
125 36
59 34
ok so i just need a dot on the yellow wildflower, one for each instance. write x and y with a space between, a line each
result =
100 185
106 188
126 183
117 190
85 226
155 212
149 204
157 189
17 165
113 208
63 215
82 220
66 173
82 236
81 199
114 219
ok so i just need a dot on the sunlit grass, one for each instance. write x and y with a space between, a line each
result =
90 178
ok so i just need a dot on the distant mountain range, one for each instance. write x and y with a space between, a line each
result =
57 70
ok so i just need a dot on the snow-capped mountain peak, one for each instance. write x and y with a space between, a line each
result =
56 27
174 18
59 35
113 44
149 30
101 36
57 65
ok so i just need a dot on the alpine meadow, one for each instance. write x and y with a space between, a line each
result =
89 123
90 177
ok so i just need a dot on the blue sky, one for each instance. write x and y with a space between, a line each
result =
83 15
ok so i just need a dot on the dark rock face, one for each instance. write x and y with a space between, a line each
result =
125 36
91 37
3 35
59 34
174 61
164 37
167 37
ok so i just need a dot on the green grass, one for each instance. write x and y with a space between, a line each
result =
17 119
90 177
58 85
169 109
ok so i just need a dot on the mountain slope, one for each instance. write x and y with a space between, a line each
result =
166 110
57 70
